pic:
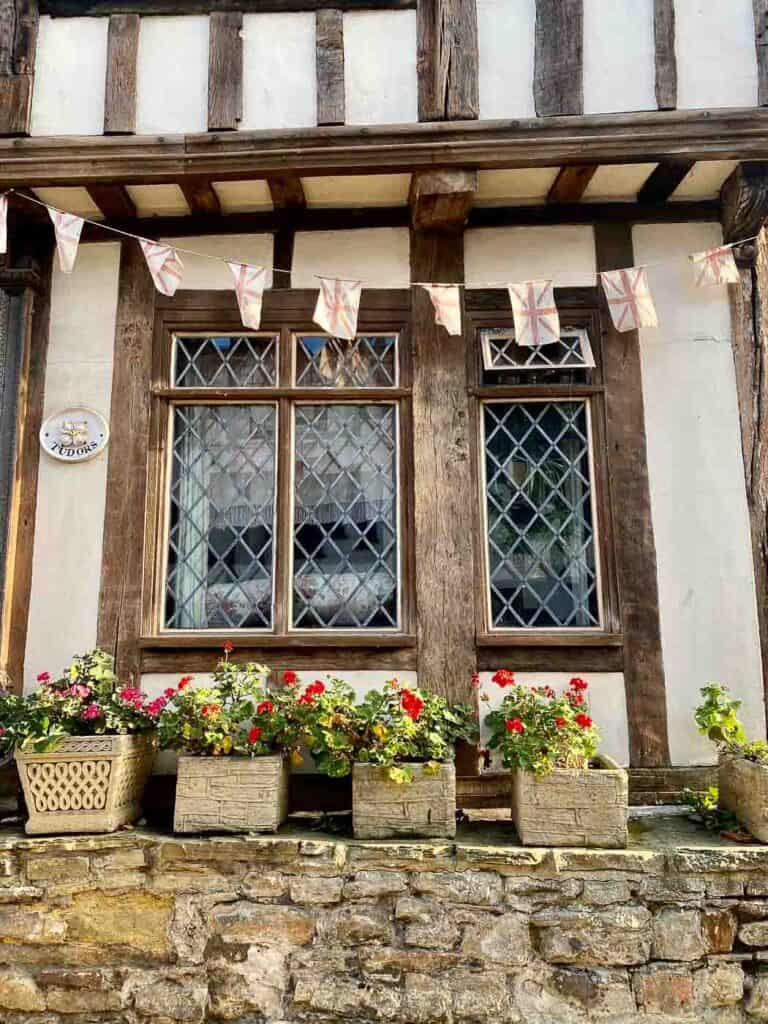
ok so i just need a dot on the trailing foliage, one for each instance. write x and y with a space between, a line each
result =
718 720
705 809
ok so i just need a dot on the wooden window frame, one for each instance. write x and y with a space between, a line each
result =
578 307
286 313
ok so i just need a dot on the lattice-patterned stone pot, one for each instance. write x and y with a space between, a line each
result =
87 784
572 806
743 790
231 794
425 807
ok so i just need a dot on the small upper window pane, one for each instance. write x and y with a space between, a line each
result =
225 361
501 351
370 361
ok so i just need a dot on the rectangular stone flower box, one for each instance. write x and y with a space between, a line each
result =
743 790
231 794
572 806
87 784
382 809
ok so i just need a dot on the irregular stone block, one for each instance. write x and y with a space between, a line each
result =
374 884
754 934
530 894
247 923
480 996
30 925
719 928
312 890
426 999
138 921
18 991
743 790
256 985
182 996
231 794
473 888
757 1002
719 984
664 990
338 995
564 994
354 924
58 869
383 809
502 940
266 885
678 935
616 937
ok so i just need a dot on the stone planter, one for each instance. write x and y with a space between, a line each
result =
572 806
231 794
87 784
382 809
743 790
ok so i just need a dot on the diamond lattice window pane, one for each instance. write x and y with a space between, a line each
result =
370 361
541 539
501 352
220 540
226 361
345 543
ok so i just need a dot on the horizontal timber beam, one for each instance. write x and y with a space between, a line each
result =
610 139
76 8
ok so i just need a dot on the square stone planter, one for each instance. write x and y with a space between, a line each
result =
382 809
743 790
87 784
572 806
231 794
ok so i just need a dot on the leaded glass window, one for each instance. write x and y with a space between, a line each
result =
368 361
542 562
225 361
501 352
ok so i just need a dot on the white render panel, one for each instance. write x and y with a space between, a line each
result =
619 56
279 79
243 196
618 182
70 72
357 190
716 56
607 699
66 563
523 185
499 256
380 85
378 256
172 75
506 33
200 272
707 596
70 200
158 200
705 179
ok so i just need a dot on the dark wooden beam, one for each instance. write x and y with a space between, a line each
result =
558 86
441 200
78 8
329 64
225 71
113 200
201 197
18 43
571 183
760 8
287 191
447 60
120 89
666 58
633 527
663 180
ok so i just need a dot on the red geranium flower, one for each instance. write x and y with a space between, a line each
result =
503 677
306 698
44 677
411 705
254 734
316 688
289 678
576 699
560 723
184 682
584 721
228 647
579 684
210 710
170 692
513 725
265 708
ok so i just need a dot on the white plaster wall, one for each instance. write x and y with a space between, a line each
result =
506 255
716 57
200 272
379 256
380 85
619 56
608 706
707 597
66 564
172 75
279 81
506 32
70 72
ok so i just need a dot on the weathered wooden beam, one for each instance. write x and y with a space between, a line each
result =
663 180
447 60
120 88
558 69
633 527
119 615
201 197
113 200
666 58
329 64
571 183
441 200
287 191
225 71
18 43
760 8
744 203
77 8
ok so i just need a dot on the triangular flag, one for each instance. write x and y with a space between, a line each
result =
249 288
629 299
446 302
164 264
67 228
536 318
3 223
715 266
337 306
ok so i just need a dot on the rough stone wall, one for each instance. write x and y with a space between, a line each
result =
135 928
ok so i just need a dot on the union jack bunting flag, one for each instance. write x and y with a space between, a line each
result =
164 264
536 318
715 266
337 306
3 224
249 288
446 301
629 299
67 228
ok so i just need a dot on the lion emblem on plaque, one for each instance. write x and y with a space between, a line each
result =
73 434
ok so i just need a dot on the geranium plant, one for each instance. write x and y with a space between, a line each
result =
718 720
326 717
536 729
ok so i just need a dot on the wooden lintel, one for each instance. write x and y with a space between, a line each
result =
558 64
287 191
665 57
329 64
663 180
78 8
200 196
441 200
571 183
113 201
225 71
447 60
120 89
760 9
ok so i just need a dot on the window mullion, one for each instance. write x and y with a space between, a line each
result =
284 531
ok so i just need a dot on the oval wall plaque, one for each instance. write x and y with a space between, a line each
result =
74 435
